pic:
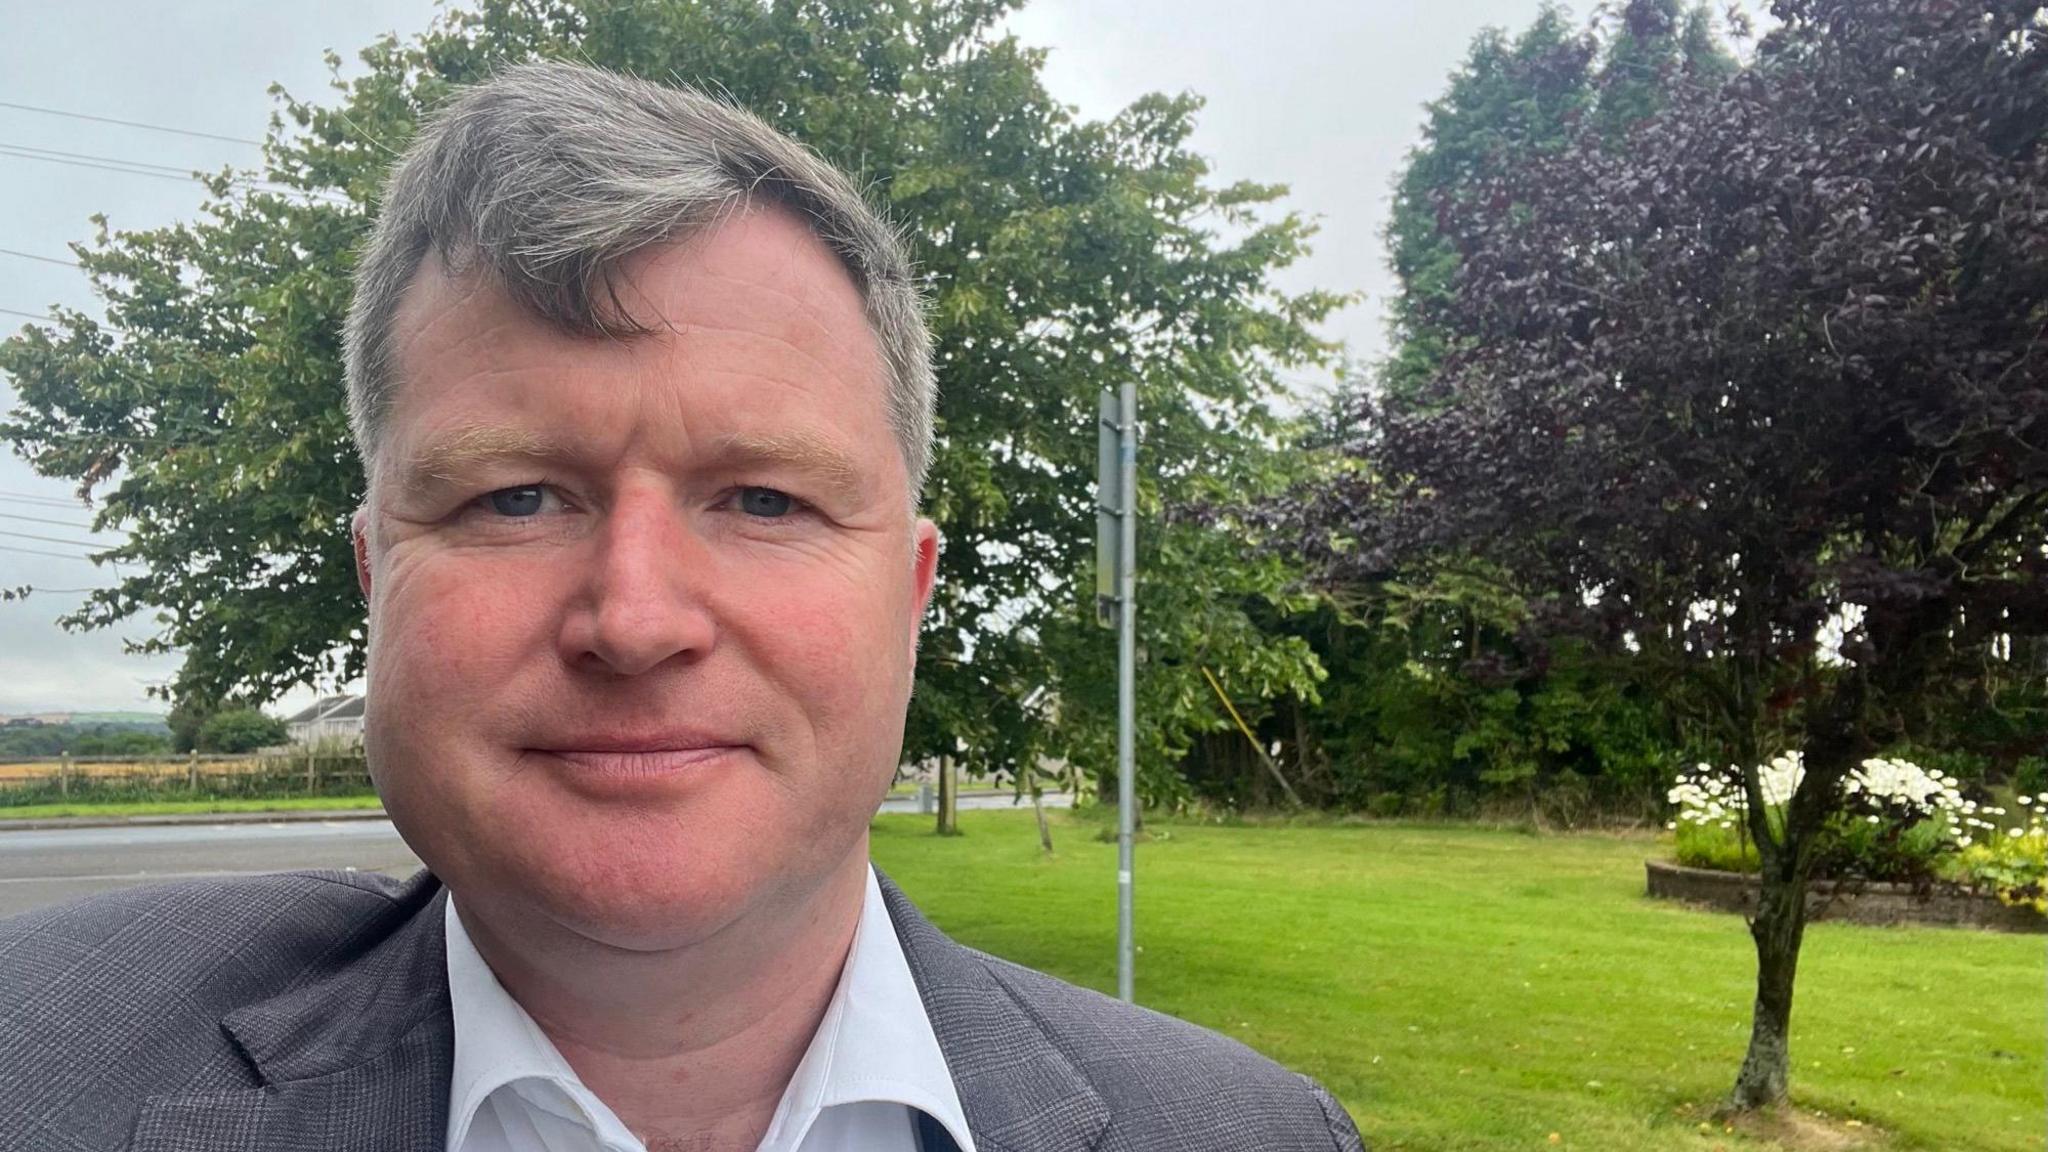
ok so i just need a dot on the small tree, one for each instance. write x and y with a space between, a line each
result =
187 716
239 730
1769 370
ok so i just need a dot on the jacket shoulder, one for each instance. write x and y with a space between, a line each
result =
112 998
252 932
1170 1083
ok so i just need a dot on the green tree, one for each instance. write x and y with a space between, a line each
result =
239 730
1064 256
1512 101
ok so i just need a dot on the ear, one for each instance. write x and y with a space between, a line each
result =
359 538
924 574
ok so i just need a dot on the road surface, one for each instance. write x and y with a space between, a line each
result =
38 868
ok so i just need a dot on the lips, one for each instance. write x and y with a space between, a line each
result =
640 755
652 762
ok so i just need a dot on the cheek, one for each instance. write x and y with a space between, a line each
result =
817 646
843 653
446 626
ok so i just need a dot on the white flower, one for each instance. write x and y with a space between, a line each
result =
1900 782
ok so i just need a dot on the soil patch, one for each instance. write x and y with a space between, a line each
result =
1797 1130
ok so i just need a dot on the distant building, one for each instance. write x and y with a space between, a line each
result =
331 719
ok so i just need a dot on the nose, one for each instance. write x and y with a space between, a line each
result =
644 601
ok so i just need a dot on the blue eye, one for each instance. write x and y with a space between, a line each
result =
522 501
765 502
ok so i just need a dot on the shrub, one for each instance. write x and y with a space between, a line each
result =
1883 849
2030 775
1385 805
239 730
2014 865
1712 846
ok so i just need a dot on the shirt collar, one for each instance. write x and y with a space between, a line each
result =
875 1043
498 1046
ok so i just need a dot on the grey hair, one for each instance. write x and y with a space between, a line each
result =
548 175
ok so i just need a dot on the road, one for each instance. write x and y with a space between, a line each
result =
38 868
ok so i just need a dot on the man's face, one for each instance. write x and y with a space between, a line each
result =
643 612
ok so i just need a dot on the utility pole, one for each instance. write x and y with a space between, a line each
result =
1116 585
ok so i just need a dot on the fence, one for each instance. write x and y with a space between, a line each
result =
288 772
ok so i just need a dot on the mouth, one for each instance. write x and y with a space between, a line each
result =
639 762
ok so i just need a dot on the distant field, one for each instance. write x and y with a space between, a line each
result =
1466 990
16 770
137 779
117 810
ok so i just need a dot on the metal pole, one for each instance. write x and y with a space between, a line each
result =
1126 676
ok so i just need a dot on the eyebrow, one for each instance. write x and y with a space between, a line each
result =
801 451
445 457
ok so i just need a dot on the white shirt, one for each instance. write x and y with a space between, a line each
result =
872 1064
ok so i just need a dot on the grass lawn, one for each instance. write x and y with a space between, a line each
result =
183 807
1460 988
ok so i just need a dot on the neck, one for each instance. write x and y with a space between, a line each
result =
691 1047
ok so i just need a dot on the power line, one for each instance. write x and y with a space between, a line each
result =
55 501
139 168
172 169
40 552
43 520
44 259
29 315
53 539
185 179
130 123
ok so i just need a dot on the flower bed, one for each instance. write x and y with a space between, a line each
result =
1853 901
1905 844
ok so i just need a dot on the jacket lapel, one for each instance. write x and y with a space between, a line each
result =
1019 1091
356 1057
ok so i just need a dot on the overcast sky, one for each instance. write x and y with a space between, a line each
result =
1321 95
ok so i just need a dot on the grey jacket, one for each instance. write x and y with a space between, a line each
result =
309 1011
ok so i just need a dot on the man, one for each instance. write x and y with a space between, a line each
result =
642 393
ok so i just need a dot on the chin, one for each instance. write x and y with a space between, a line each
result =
649 877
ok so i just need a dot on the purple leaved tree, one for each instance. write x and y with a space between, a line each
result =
1771 366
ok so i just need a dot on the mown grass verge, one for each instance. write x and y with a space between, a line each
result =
1465 989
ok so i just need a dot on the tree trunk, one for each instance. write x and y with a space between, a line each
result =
1302 771
1778 929
949 792
1044 829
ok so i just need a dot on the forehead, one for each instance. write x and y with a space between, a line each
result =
756 295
